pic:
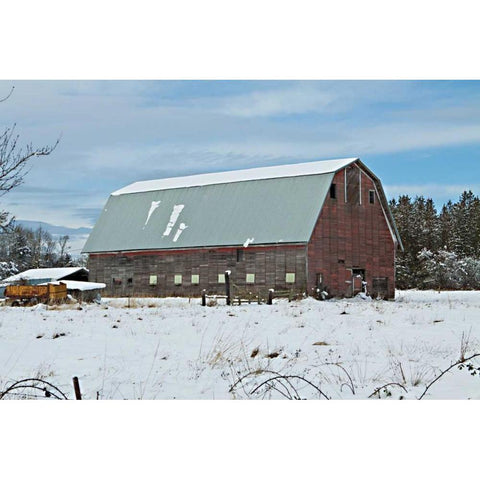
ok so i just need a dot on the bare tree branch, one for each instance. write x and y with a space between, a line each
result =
8 96
443 372
14 164
13 161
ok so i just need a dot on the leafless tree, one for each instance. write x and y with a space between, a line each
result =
14 163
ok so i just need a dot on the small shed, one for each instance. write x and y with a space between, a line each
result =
36 276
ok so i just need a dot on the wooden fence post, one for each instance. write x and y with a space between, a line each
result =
76 387
227 286
270 297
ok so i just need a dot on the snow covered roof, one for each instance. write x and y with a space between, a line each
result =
42 274
280 171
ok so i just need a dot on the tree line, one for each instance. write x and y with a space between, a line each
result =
23 248
441 248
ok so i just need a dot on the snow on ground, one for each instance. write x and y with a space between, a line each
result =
175 348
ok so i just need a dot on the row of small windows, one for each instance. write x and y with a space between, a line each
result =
195 279
333 193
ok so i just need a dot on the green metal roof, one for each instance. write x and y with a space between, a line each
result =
259 206
251 211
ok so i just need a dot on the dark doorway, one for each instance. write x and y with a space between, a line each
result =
358 277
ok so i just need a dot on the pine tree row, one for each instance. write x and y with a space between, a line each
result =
441 249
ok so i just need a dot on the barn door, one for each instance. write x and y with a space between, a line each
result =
124 277
354 282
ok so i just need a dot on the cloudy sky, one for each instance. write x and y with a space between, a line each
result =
419 137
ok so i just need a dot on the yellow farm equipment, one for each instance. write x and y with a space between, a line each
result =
18 295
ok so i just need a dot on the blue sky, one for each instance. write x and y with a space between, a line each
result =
419 137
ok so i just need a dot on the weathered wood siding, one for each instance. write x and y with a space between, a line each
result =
352 234
128 273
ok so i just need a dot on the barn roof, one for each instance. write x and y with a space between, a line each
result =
261 206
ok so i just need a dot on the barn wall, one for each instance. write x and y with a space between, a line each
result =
268 264
352 235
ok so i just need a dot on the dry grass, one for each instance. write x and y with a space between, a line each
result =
419 374
465 344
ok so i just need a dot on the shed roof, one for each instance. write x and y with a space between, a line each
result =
261 206
43 274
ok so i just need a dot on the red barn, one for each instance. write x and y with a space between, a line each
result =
298 228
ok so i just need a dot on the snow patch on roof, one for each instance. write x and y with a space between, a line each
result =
281 171
248 241
177 209
181 228
81 286
153 207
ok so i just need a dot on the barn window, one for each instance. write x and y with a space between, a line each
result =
221 278
195 279
250 278
130 281
333 190
152 280
290 278
240 255
371 196
178 279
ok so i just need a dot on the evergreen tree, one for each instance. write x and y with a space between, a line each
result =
446 226
441 250
465 225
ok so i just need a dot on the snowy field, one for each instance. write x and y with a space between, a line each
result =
176 349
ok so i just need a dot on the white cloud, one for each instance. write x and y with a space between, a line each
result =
115 133
302 98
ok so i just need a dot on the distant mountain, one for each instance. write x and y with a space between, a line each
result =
54 229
